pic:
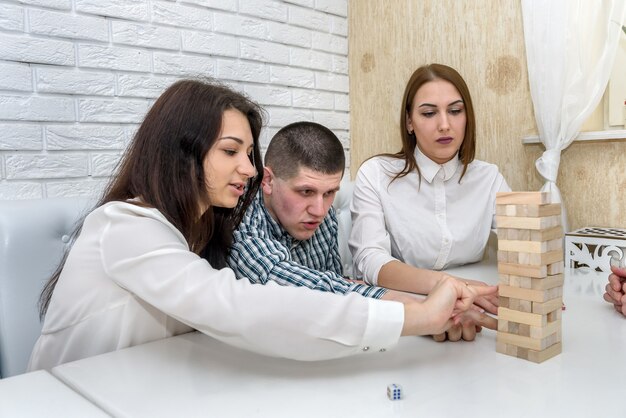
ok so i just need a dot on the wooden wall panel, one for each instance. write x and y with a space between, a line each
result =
484 41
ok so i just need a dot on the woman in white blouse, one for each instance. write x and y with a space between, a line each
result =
430 206
149 261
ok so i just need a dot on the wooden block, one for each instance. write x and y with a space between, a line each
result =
513 328
533 211
547 234
545 308
527 342
533 295
503 325
555 268
524 330
512 257
522 198
525 305
504 302
544 331
543 355
503 278
508 349
513 222
542 259
547 283
555 315
522 270
519 281
511 315
527 246
503 256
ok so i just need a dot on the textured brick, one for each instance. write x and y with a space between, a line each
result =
308 18
289 35
308 58
186 65
11 17
34 108
137 34
20 190
332 120
120 111
269 95
27 49
86 137
330 43
14 76
103 165
210 43
52 4
340 64
339 26
264 51
84 188
333 82
57 24
125 9
313 99
173 14
133 85
339 8
294 77
242 71
280 117
19 137
342 102
63 80
114 58
230 5
241 25
267 9
22 167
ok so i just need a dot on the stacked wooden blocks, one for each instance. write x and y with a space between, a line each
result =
530 267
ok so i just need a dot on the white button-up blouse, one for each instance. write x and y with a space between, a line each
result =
435 223
130 278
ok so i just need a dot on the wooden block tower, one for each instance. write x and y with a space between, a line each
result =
530 268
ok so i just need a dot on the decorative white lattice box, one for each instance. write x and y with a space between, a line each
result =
593 247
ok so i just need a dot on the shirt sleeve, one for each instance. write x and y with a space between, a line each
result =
148 257
262 259
369 241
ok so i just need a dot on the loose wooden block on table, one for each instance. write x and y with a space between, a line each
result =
522 198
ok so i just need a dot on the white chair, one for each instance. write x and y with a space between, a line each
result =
33 237
342 208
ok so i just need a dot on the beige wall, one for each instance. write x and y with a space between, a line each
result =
484 40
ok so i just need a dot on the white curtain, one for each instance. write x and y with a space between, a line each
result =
570 49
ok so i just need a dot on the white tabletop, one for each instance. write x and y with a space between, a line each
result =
194 375
39 394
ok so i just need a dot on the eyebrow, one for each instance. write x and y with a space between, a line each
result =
432 105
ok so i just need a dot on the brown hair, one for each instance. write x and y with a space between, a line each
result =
304 144
163 167
421 76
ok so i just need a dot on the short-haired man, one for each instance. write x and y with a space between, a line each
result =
289 232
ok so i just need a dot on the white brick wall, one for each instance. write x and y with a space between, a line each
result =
77 76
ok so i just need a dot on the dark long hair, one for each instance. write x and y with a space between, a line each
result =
421 76
163 167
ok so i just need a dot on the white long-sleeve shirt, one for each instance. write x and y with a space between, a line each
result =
434 224
130 279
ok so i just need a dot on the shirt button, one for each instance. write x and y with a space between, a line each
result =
366 348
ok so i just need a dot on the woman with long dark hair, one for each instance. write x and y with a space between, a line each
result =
149 261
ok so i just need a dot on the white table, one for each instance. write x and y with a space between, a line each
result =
194 375
39 394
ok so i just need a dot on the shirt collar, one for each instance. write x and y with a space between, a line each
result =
429 168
